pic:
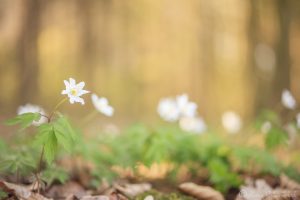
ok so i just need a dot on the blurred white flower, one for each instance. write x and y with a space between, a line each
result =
186 107
298 120
168 109
101 104
266 127
288 100
231 122
149 197
30 108
74 91
192 124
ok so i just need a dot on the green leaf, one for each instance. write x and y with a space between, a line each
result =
50 147
42 136
25 120
63 125
53 173
276 137
64 140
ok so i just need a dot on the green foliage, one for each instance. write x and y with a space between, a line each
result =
221 175
139 145
275 137
250 158
54 173
3 194
19 161
25 120
53 134
267 116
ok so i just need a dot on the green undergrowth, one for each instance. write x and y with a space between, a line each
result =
223 160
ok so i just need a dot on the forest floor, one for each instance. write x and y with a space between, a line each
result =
255 188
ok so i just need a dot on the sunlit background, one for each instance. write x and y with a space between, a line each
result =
226 54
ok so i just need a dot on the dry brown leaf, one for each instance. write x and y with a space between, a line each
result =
21 192
287 183
100 197
63 191
200 192
131 190
254 190
283 195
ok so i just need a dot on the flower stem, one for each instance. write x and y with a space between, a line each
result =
55 108
39 168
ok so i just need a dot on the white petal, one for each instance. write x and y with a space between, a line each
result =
80 85
72 100
79 100
82 92
67 84
72 82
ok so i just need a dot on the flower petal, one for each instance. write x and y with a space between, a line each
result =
72 82
80 85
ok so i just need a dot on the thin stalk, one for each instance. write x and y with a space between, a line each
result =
55 108
43 149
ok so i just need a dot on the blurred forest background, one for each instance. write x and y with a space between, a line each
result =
226 54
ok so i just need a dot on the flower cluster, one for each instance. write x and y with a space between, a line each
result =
74 93
183 110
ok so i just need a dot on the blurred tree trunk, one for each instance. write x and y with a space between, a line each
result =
91 52
27 51
261 85
282 75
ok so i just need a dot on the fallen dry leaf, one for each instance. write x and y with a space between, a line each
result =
287 183
63 191
200 192
131 190
100 197
283 195
254 190
260 190
21 192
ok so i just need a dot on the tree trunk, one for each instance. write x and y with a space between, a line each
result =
27 52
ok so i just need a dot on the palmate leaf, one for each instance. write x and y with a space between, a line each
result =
25 120
58 132
50 148
63 125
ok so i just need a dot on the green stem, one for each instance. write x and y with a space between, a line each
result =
43 149
55 108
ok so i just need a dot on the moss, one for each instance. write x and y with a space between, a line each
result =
160 196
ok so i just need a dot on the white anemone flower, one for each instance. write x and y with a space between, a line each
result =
231 122
168 109
101 104
74 91
288 100
186 107
192 124
30 108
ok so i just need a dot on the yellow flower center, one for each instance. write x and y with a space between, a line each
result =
74 92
